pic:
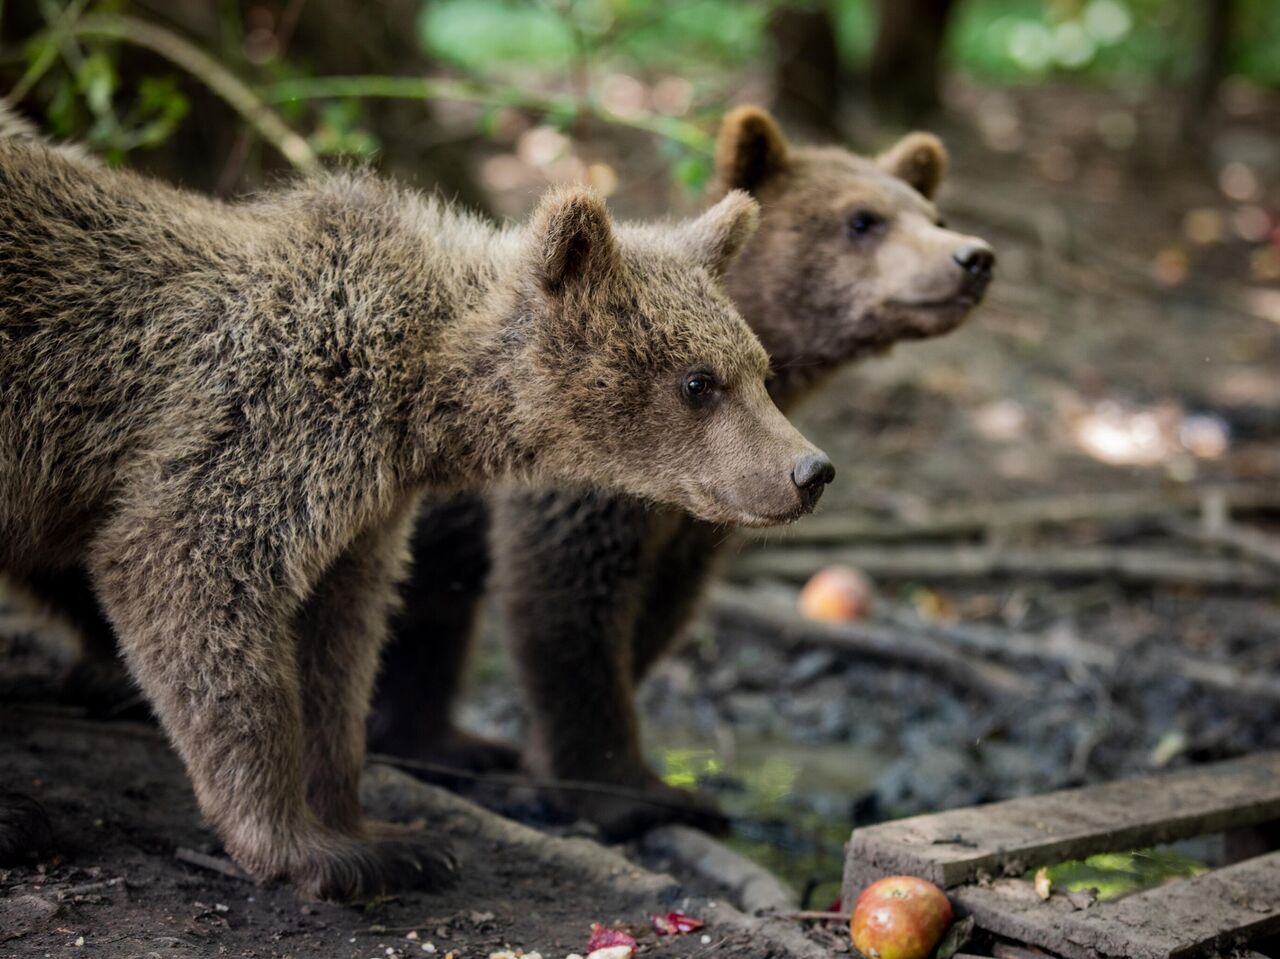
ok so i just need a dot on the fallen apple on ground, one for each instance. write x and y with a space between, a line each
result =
901 917
836 594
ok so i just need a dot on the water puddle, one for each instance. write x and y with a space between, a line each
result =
791 805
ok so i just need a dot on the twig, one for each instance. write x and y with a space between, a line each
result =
1251 543
56 33
208 71
436 88
1129 564
811 915
213 863
88 887
888 643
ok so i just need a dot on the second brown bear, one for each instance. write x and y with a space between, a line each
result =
850 258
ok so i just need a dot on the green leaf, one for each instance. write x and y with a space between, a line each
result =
693 171
96 78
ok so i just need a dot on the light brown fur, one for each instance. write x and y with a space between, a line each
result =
226 414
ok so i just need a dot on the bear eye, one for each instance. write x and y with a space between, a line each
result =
698 387
864 222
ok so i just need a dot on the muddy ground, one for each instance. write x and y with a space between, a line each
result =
1131 342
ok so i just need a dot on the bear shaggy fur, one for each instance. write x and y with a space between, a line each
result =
225 413
850 258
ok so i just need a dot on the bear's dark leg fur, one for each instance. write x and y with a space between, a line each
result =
98 680
573 573
24 828
426 655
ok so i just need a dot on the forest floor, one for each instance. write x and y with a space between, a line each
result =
1130 345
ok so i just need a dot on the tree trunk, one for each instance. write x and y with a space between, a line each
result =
1213 60
906 63
806 77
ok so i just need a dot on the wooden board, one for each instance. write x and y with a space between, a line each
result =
1218 911
1007 838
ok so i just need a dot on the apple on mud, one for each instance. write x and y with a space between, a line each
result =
836 594
900 918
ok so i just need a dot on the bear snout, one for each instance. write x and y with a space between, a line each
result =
811 474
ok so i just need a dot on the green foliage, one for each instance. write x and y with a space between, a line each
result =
86 101
1108 40
1257 53
488 35
504 37
339 132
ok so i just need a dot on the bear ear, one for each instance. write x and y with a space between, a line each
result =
750 149
918 158
573 240
719 235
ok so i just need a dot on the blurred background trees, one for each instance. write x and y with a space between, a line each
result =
828 66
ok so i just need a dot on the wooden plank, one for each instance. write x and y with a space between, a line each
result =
1215 912
1007 838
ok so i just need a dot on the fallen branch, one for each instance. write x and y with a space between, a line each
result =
948 649
978 518
1250 543
1128 564
90 887
750 886
893 644
993 641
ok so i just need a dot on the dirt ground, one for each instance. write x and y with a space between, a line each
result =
124 884
1131 342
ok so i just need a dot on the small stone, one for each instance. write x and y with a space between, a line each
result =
79 940
705 940
412 934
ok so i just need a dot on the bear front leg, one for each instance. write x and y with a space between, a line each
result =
676 582
204 621
340 631
571 575
425 657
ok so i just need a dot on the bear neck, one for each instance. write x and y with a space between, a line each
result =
795 371
467 426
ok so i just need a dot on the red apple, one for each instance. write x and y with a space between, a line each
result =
836 594
900 918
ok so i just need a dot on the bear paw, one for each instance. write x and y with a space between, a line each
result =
388 858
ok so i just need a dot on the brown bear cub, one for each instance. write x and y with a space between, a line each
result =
225 414
850 258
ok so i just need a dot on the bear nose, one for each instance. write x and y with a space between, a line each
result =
976 259
811 474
